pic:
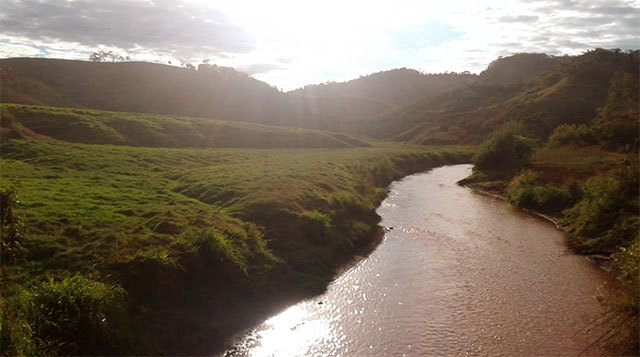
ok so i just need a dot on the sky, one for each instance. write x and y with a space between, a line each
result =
291 43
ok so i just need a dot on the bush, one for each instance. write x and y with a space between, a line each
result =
551 199
75 316
520 191
505 150
607 215
525 192
623 313
566 134
630 265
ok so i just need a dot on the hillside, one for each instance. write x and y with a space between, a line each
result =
212 91
215 92
569 93
518 68
359 100
117 128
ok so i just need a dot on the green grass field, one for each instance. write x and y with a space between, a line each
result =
89 126
173 225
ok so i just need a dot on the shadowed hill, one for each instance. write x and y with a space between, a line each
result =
212 91
570 93
517 68
361 99
218 92
115 128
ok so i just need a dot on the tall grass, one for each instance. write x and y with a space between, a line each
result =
69 317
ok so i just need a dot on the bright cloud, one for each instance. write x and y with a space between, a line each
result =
291 43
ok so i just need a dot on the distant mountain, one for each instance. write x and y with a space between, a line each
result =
213 91
569 93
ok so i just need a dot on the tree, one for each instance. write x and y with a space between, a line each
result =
98 56
102 55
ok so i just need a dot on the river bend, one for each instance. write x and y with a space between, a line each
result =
458 273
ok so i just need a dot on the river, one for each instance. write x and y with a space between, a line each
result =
457 273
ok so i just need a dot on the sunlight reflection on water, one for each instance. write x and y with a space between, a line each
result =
459 274
289 333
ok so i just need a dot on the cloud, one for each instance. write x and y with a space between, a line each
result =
520 18
257 68
161 26
291 43
9 49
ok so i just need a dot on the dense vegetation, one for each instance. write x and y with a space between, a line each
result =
107 245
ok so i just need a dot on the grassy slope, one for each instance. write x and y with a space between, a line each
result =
117 128
174 225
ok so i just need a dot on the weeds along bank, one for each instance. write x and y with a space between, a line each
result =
107 248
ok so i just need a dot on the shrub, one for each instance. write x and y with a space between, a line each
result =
520 192
75 316
567 134
623 314
606 216
551 199
505 150
525 192
630 264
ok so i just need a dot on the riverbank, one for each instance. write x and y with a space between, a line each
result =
592 195
430 288
604 262
180 231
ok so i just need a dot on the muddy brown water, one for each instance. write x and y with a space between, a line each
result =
458 273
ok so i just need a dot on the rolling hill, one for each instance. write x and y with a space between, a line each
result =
212 91
569 93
